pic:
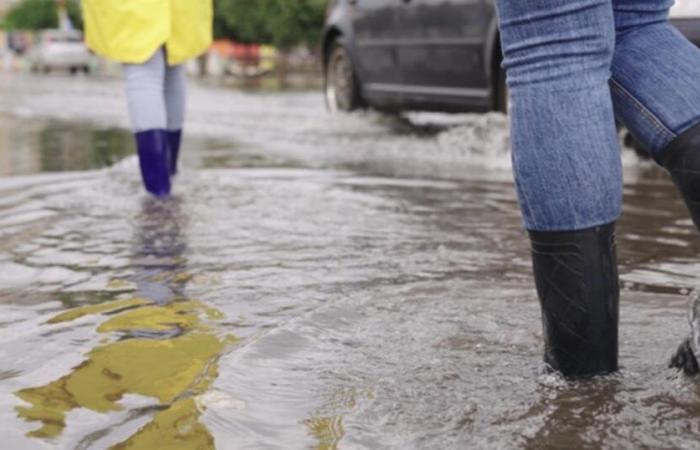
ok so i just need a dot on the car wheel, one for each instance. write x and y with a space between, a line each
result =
502 96
86 70
342 88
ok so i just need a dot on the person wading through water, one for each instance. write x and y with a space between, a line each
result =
573 67
152 39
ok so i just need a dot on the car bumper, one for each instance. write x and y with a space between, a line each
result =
690 28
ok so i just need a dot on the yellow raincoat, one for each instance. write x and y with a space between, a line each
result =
131 31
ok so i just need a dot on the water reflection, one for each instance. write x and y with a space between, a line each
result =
326 425
160 269
45 146
327 430
568 408
159 345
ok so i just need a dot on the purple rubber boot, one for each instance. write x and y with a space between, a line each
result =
154 160
174 139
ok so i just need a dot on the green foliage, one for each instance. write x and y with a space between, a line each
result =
221 30
282 23
32 15
40 15
75 13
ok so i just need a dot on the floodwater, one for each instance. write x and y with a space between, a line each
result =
313 299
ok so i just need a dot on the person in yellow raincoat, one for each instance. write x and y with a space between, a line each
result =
152 39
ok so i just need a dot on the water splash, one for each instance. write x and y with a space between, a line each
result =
694 319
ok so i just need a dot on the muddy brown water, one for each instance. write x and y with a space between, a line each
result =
279 303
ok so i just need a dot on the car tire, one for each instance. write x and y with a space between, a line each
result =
342 88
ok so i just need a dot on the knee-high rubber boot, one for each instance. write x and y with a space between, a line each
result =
154 160
174 139
682 160
577 284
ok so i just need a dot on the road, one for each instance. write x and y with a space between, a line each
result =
316 281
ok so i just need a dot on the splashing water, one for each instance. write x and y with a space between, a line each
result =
694 319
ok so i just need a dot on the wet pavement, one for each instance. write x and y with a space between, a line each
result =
315 282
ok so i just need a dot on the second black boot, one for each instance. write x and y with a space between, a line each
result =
577 284
682 160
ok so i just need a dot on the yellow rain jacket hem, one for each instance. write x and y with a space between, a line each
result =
130 31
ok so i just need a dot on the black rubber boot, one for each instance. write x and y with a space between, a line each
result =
577 283
682 160
685 357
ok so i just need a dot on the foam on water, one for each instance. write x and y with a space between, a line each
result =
296 125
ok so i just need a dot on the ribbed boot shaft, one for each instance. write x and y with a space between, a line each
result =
577 284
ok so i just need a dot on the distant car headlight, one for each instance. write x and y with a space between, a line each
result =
685 9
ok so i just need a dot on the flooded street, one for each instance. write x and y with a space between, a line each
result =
316 282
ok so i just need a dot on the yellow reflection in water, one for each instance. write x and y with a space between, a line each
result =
328 431
77 313
175 363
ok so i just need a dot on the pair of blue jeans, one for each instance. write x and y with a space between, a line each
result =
573 67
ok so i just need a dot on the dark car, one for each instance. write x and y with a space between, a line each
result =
438 55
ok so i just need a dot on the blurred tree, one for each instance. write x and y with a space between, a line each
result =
221 28
39 15
32 15
243 20
282 23
75 13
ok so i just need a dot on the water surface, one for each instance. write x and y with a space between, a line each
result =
304 302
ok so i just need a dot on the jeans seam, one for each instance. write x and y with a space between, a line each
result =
655 121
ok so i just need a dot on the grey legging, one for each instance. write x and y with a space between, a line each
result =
155 94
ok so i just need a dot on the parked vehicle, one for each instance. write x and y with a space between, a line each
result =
59 49
426 55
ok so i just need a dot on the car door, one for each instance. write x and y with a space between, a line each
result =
441 50
376 29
